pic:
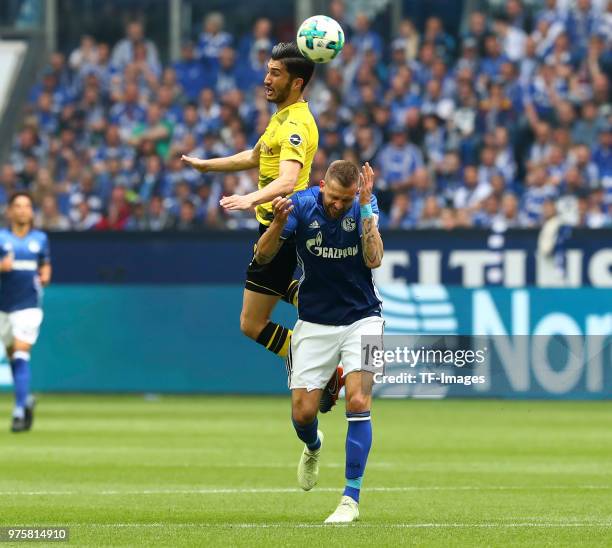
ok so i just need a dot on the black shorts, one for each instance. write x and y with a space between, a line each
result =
274 277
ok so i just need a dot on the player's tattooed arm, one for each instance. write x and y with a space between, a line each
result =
270 241
268 253
371 241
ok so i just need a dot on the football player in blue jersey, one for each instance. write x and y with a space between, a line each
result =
338 245
25 267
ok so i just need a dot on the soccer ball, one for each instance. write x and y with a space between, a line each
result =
320 38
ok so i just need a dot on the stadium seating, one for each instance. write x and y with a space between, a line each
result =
481 129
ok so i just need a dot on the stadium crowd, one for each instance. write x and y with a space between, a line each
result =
490 127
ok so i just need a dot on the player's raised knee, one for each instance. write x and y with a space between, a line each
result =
249 327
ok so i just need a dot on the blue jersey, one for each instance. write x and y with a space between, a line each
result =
336 286
20 288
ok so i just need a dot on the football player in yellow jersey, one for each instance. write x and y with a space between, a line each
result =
284 155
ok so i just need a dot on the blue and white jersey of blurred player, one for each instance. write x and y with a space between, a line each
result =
336 287
25 266
20 287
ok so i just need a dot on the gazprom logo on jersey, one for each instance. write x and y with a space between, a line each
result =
542 342
316 247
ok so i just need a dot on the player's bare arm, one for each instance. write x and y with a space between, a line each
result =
6 264
247 159
44 274
370 240
289 171
270 241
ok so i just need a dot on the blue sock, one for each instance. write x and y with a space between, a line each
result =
308 433
358 443
20 365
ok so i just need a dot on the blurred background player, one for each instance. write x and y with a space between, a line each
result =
25 267
338 244
284 155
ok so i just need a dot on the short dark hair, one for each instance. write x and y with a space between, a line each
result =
18 194
344 172
296 64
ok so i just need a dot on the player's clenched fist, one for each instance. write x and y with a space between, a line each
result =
282 207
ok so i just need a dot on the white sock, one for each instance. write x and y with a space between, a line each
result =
18 413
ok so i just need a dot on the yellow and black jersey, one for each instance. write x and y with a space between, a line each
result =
292 134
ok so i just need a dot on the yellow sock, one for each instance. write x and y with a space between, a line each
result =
285 348
275 338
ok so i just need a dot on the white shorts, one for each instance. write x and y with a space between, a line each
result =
317 349
22 325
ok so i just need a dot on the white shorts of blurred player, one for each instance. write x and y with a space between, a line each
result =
23 325
317 350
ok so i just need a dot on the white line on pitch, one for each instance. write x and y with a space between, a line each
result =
488 525
255 490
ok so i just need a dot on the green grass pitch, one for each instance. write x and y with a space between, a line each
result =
220 471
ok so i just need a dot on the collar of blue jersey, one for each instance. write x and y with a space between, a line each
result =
10 229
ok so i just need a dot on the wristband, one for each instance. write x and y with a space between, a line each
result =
366 211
